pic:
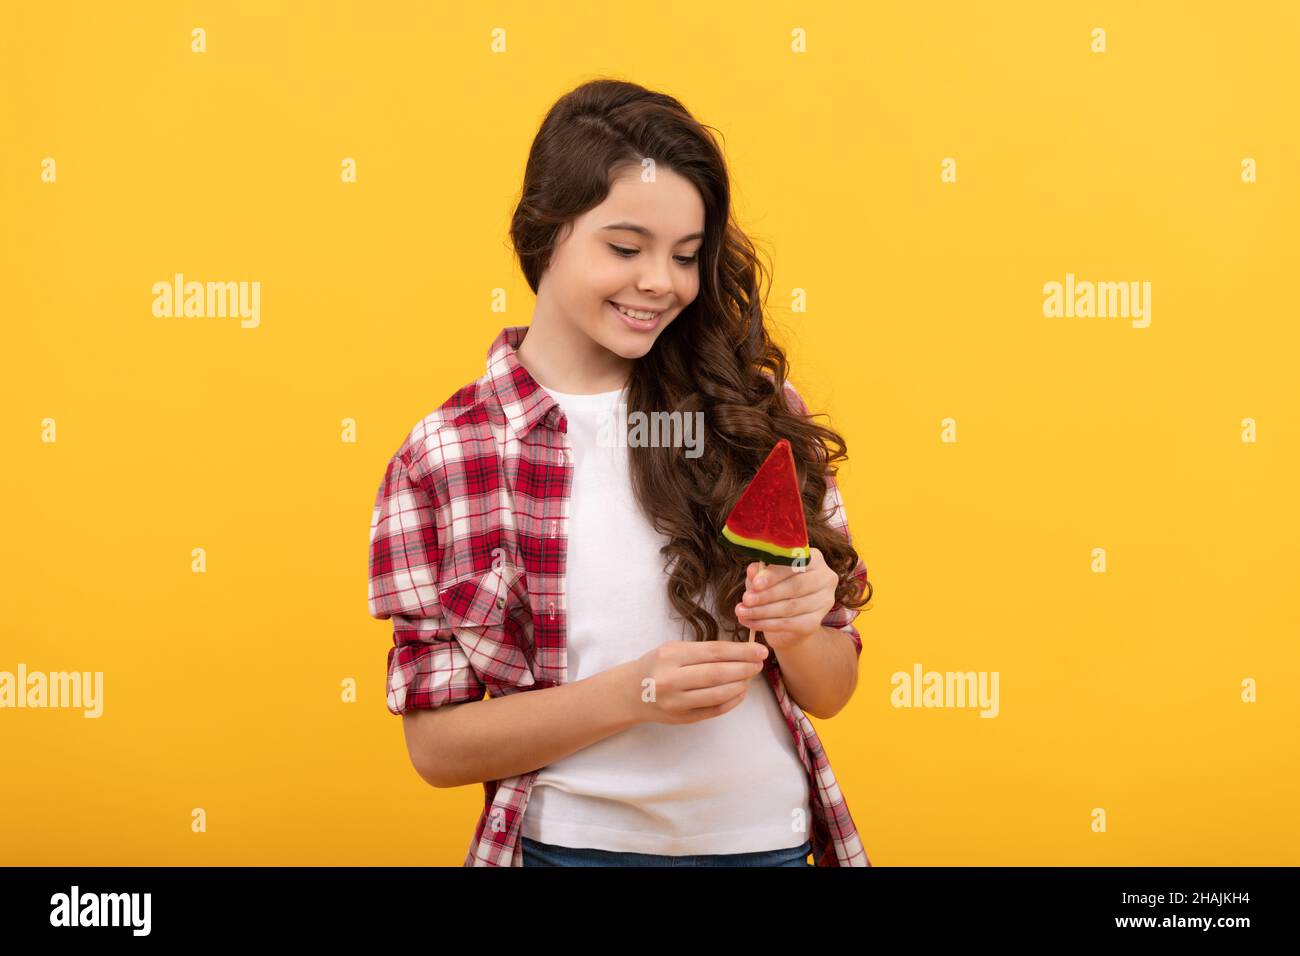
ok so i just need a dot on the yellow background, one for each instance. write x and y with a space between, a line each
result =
1118 690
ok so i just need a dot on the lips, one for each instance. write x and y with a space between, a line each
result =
637 325
639 308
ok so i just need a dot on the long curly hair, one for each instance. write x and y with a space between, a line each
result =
716 356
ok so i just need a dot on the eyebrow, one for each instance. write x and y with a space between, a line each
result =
634 227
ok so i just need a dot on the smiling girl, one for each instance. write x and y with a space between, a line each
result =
580 581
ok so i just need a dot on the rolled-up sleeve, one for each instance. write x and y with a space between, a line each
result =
839 617
427 667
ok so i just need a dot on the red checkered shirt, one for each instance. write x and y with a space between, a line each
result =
467 557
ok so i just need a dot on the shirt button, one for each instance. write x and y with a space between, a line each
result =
551 607
501 602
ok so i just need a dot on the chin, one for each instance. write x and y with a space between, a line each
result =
628 343
632 347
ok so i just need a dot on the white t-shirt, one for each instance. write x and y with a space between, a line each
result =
727 784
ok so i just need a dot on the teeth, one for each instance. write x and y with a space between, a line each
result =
643 316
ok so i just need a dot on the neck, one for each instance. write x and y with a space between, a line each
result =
562 357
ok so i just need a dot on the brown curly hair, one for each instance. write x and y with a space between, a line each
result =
716 357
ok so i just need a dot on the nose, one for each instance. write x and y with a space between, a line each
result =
656 282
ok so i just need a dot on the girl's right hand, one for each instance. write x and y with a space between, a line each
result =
681 682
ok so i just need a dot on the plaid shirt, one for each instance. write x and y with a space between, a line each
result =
467 557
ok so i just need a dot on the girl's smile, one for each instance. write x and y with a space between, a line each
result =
637 324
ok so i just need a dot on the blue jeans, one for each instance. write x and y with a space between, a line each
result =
550 854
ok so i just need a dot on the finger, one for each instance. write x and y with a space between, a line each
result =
718 673
714 694
792 586
768 574
786 625
778 610
704 652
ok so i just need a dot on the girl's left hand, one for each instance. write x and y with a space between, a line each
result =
788 604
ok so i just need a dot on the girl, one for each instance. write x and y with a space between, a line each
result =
523 540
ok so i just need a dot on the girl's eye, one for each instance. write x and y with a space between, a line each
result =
628 253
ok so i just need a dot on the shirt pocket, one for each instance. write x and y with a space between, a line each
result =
487 613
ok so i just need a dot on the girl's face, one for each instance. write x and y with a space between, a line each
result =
639 250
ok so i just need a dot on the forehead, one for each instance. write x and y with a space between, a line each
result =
669 206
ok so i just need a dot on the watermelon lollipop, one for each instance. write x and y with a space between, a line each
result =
767 522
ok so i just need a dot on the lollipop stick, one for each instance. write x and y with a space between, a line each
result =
761 565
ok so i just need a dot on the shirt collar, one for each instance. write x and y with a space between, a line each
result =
523 401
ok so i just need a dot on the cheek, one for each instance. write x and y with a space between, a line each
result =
688 288
606 277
